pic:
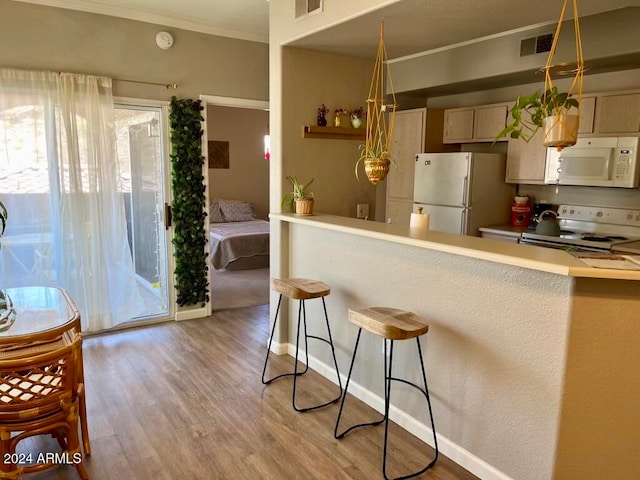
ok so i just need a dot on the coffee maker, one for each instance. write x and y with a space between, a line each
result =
538 208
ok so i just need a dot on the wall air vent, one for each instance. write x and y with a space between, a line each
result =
307 7
533 45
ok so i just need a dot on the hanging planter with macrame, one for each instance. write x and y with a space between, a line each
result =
555 111
380 119
561 128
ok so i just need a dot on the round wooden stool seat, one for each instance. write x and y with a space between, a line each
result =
390 323
300 288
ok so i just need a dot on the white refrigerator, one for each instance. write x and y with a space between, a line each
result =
462 191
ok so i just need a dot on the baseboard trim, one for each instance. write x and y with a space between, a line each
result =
191 314
455 452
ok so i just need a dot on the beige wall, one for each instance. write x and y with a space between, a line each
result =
47 38
247 177
309 80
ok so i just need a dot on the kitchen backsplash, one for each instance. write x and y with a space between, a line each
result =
602 197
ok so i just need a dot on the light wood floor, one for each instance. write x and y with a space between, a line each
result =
184 401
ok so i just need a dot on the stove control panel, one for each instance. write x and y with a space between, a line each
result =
615 216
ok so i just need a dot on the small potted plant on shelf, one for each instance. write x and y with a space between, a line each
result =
356 117
549 111
299 200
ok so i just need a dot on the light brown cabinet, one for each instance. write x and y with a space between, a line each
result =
618 114
477 124
415 131
526 160
587 114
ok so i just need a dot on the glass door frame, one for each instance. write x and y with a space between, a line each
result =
166 148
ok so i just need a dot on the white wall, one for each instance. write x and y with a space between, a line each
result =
607 35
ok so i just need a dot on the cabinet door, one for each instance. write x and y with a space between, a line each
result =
488 122
458 125
399 211
526 161
618 113
407 141
587 114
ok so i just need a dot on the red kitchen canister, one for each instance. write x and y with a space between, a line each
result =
520 212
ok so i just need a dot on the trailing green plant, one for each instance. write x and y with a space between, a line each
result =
188 206
528 113
299 191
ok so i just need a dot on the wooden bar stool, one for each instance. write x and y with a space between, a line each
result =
390 324
302 289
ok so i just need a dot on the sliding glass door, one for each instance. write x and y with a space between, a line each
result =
141 150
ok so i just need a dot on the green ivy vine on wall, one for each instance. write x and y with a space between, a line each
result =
188 207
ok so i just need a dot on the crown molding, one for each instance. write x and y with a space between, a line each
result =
184 23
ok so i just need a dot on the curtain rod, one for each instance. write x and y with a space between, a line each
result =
168 86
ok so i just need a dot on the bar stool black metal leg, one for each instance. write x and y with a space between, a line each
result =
344 397
426 394
387 401
266 360
306 343
333 350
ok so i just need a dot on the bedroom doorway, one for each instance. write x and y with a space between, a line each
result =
142 150
237 173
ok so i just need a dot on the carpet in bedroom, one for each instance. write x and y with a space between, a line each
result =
240 288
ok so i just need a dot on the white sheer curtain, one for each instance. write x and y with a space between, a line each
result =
60 180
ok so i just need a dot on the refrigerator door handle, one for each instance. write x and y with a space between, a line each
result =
463 215
465 189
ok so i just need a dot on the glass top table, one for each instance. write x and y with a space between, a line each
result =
27 313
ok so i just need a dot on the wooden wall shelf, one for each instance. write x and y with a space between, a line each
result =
340 133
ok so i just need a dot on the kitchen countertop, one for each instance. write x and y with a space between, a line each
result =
525 256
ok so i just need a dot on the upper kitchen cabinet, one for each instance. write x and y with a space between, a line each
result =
587 114
477 124
526 160
618 113
415 131
408 139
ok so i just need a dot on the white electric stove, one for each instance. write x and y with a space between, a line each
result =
586 228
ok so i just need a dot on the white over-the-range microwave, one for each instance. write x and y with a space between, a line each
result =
595 162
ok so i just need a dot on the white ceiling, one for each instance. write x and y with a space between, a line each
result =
411 26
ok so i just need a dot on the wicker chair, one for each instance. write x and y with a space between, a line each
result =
40 394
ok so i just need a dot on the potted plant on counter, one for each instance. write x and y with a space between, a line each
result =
551 112
299 200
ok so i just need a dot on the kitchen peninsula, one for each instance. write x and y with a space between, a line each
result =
531 355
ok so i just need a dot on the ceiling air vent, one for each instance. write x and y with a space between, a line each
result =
539 44
307 7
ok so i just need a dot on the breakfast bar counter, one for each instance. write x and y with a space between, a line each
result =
532 356
525 256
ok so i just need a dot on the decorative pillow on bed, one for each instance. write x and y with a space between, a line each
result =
215 213
237 210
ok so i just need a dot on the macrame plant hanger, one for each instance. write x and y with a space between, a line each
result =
380 118
561 130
